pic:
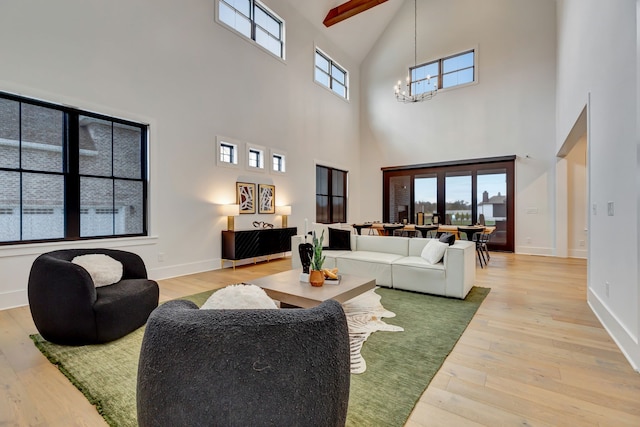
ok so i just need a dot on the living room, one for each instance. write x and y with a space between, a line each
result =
540 64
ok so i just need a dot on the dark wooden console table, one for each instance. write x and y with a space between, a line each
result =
243 244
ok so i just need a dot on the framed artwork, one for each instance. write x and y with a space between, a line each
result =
266 199
246 197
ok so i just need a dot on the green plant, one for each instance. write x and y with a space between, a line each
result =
317 260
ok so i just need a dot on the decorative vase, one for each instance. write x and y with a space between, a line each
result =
316 278
306 252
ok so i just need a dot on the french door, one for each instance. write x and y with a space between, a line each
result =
460 193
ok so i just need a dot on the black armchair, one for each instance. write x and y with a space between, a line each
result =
68 309
287 367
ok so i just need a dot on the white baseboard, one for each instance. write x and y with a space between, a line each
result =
13 299
170 271
248 261
578 253
531 250
201 266
625 340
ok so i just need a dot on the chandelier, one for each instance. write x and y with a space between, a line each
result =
408 95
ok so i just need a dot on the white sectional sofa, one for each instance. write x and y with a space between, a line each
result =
396 262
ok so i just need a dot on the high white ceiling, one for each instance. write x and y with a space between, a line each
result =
355 35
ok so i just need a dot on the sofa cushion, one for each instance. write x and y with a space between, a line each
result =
419 263
331 256
374 257
383 244
339 239
434 251
413 273
448 238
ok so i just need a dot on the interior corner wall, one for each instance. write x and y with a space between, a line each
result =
577 236
585 58
510 111
173 66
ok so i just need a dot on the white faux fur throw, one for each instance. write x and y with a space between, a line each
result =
238 297
103 269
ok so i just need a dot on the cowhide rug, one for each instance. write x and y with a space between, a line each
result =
364 314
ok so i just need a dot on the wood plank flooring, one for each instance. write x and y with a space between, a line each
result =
534 355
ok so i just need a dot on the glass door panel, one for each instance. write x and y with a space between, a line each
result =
458 198
492 202
426 198
399 198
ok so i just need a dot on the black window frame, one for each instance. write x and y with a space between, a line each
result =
439 77
253 6
277 163
332 64
440 170
70 171
333 217
233 153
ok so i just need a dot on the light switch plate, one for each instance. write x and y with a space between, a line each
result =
610 208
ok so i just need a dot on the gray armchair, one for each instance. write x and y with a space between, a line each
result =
68 309
286 367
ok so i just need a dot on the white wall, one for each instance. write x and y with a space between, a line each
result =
172 66
577 233
511 110
597 60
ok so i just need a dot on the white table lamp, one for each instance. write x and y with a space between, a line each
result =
230 211
284 211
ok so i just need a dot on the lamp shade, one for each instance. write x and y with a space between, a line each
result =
283 210
230 210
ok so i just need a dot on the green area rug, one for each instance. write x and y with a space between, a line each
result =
400 365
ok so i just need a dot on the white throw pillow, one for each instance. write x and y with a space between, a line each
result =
238 297
103 269
434 251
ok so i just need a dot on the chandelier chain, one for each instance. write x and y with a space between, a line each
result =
409 95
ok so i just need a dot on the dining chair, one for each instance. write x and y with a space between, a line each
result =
427 230
473 235
390 229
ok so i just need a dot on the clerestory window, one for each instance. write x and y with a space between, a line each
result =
455 70
254 21
330 74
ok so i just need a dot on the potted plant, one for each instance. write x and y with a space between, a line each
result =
316 275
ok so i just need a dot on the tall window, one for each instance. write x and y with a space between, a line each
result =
331 195
462 193
443 73
255 21
331 75
67 174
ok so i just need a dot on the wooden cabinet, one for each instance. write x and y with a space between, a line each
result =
242 244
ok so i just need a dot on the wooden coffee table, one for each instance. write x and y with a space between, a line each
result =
287 288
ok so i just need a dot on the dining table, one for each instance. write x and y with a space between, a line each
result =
411 228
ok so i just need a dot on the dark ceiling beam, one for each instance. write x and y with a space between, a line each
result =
349 9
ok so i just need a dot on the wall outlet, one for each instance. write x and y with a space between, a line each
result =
606 289
581 243
160 256
528 240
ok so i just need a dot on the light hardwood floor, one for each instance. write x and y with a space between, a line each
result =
534 355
